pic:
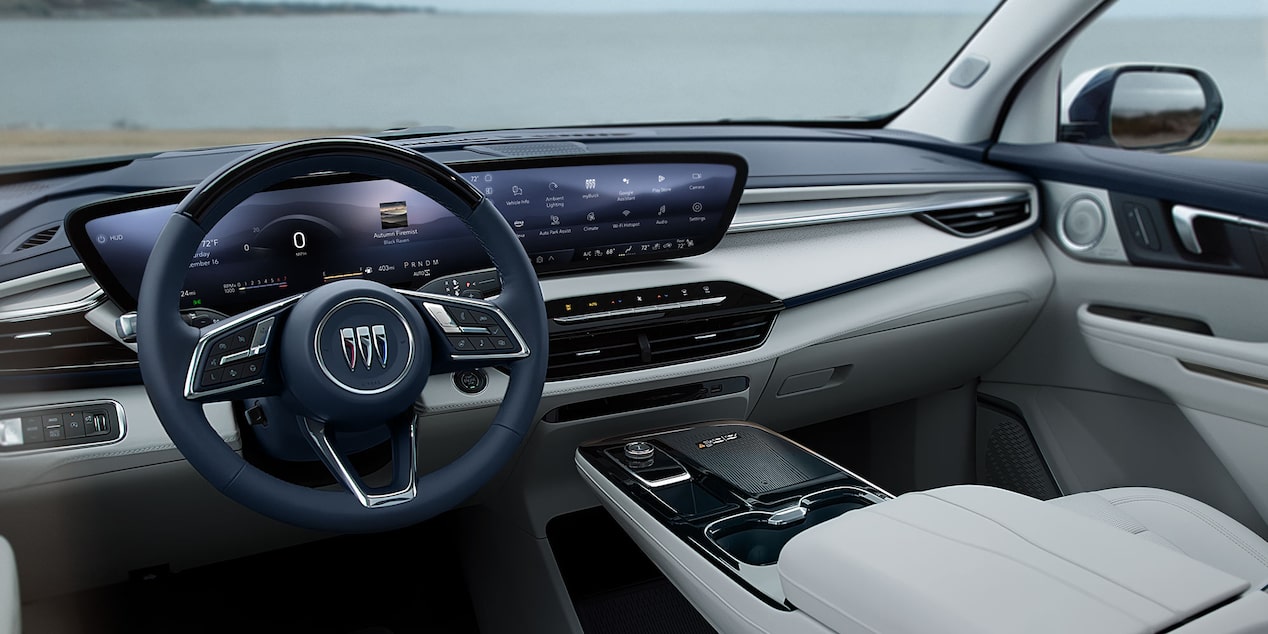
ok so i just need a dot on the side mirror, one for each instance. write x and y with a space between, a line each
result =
1152 107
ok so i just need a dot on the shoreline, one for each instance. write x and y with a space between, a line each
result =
28 145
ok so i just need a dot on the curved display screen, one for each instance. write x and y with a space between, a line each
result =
568 213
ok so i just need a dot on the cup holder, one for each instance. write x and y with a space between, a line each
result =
757 537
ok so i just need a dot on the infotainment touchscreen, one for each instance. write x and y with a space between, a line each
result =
569 214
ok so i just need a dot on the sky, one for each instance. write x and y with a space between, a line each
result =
1127 8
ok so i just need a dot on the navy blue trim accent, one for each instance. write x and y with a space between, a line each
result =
1239 187
914 267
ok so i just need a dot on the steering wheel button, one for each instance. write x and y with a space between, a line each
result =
463 316
483 319
502 343
461 344
481 343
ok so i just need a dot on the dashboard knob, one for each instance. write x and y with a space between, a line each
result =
639 451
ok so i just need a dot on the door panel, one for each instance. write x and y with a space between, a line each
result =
1168 325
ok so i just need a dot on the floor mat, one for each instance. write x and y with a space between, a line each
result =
652 606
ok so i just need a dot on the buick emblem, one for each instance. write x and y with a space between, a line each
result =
364 344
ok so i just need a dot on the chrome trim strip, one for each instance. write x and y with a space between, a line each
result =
867 208
259 341
36 281
622 312
93 300
1183 217
335 463
434 303
442 318
1236 377
219 328
118 410
81 366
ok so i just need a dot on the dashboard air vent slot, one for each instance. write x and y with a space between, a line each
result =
977 221
656 344
37 238
521 150
59 343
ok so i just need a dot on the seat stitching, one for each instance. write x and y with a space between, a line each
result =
1250 550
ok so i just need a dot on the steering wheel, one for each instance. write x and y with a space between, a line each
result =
347 358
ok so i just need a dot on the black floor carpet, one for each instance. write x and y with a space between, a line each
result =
389 583
651 606
614 587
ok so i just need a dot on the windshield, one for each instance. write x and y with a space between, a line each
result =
101 77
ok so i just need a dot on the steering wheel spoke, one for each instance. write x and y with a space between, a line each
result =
404 485
470 332
234 358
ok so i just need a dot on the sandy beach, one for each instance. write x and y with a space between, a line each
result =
19 146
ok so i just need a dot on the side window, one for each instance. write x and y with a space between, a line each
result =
1114 92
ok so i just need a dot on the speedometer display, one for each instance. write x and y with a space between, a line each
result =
568 215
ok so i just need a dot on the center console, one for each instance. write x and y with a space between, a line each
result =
762 535
735 492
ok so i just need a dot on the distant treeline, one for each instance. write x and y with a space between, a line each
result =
158 8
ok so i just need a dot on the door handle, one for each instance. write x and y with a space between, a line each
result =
1183 217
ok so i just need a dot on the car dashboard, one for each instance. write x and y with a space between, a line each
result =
717 272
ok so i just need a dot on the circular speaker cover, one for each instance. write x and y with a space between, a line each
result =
1082 223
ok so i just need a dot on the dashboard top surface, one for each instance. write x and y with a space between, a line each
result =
777 155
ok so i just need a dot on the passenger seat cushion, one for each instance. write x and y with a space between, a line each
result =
1178 522
10 602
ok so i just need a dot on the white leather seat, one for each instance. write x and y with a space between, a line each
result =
10 617
1180 523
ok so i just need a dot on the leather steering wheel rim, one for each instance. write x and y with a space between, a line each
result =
165 342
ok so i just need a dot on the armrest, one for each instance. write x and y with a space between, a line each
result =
978 559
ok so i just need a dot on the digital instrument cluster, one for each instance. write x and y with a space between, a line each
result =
569 214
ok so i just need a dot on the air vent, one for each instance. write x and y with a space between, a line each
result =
64 342
479 139
977 221
594 353
38 237
521 150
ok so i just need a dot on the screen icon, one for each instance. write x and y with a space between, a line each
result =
516 190
393 215
660 179
625 180
697 207
590 217
554 220
695 176
590 183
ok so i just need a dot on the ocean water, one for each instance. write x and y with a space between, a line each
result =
473 71
461 70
